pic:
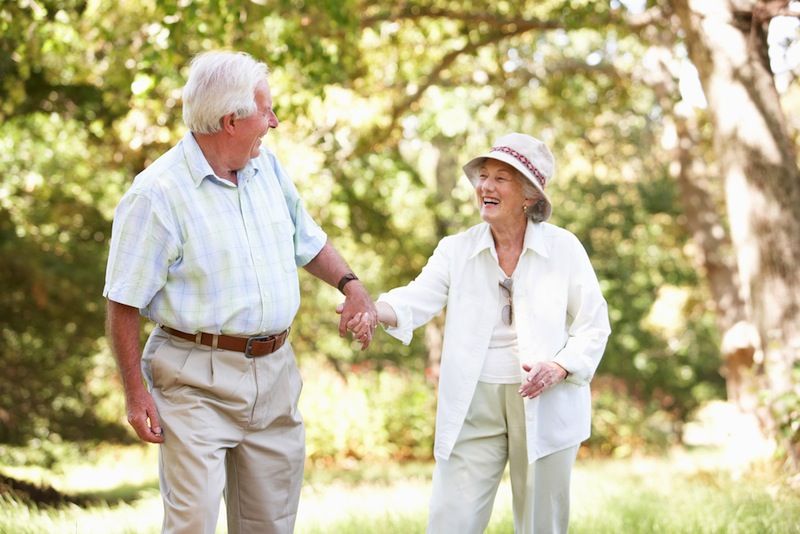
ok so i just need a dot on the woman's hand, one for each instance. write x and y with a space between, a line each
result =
360 326
539 377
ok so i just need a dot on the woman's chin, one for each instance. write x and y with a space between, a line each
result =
488 215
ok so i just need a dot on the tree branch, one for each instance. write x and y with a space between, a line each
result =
494 21
435 75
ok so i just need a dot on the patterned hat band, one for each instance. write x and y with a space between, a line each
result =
522 159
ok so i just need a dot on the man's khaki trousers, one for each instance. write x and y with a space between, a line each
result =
231 425
465 485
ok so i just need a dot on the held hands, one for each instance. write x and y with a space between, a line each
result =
358 314
361 324
539 377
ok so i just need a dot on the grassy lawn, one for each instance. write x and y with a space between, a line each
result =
682 493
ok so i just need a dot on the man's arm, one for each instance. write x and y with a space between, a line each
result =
329 266
122 329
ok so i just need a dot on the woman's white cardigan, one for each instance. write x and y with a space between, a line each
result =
559 313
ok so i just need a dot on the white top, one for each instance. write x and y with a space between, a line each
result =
501 365
199 253
559 315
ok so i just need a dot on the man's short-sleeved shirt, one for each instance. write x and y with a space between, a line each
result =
201 254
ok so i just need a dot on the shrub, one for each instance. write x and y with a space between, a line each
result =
367 414
623 424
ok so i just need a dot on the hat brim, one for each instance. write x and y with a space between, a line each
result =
472 171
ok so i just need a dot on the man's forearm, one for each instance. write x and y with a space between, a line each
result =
122 329
328 265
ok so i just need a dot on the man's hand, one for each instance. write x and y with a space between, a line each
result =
539 377
123 331
329 266
357 301
143 416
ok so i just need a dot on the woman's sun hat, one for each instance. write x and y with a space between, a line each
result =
527 154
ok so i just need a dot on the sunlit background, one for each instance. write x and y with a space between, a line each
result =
380 104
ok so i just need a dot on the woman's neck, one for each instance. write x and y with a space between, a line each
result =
509 237
508 242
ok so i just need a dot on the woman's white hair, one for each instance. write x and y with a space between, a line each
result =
536 212
220 83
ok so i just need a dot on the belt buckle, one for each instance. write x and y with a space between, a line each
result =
253 339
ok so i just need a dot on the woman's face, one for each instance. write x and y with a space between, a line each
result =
499 194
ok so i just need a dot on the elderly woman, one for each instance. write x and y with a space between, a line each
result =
526 327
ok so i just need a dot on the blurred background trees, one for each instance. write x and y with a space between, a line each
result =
381 103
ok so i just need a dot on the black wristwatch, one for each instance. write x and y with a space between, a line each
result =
344 280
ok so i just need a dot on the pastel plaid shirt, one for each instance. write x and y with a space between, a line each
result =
198 253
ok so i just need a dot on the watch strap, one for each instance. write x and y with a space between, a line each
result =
348 277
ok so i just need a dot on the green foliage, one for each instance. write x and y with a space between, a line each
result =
637 250
368 415
623 425
54 226
786 413
381 103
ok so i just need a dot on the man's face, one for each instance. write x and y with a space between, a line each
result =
250 130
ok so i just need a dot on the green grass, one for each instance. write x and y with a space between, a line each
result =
656 497
682 493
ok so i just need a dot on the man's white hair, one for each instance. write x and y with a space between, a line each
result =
219 83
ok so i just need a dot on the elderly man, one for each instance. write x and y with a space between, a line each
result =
206 244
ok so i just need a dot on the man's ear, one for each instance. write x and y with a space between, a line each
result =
228 122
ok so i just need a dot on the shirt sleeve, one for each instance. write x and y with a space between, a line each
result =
418 302
309 238
143 246
587 320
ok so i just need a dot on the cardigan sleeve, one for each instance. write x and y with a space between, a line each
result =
587 320
423 298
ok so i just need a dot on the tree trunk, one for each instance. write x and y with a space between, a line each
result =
757 159
702 218
739 345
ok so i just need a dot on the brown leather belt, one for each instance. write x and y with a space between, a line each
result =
250 346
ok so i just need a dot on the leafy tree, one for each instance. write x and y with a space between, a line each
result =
380 103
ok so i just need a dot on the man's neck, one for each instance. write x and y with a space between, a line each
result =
214 151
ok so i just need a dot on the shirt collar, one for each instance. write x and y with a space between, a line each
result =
200 169
534 240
